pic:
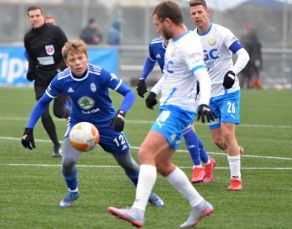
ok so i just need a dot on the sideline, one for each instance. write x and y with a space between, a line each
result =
246 125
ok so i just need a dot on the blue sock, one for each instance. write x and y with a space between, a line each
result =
203 153
71 180
192 144
133 177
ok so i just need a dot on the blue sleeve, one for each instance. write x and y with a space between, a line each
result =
38 110
54 88
148 67
149 63
235 46
115 83
129 97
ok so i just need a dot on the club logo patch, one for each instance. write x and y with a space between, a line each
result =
50 50
86 102
93 87
212 41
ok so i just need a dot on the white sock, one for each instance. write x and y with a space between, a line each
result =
234 165
181 183
208 162
146 181
75 190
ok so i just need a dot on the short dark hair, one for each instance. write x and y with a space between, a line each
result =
198 2
168 9
91 21
35 7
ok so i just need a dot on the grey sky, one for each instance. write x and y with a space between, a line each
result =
226 4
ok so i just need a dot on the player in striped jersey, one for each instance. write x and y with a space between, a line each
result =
88 87
219 44
193 143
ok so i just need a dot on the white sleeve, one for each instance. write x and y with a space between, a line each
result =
242 59
158 86
205 85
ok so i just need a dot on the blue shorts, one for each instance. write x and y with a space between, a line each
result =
226 108
112 141
171 122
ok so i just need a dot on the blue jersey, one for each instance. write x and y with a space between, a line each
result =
156 53
89 95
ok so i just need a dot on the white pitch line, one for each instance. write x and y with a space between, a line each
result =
245 155
182 151
247 125
116 166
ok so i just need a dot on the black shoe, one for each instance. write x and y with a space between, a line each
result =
57 152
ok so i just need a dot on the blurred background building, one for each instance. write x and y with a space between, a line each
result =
271 18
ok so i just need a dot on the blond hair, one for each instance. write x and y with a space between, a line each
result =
74 46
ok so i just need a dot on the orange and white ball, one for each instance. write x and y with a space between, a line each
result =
84 136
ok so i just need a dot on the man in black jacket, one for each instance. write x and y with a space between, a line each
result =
91 34
251 72
43 45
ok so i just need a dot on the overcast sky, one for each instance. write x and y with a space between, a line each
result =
226 4
223 4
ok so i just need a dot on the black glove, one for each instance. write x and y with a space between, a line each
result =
141 88
30 76
27 139
118 122
229 79
151 100
205 111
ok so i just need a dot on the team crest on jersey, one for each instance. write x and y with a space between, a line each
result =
93 87
50 50
212 41
86 102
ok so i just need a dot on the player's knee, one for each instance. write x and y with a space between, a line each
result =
227 136
143 155
68 167
146 159
59 113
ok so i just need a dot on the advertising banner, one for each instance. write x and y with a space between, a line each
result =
13 63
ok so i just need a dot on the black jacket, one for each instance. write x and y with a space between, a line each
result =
43 48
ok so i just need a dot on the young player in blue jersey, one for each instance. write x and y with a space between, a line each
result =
184 65
88 87
193 143
219 44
